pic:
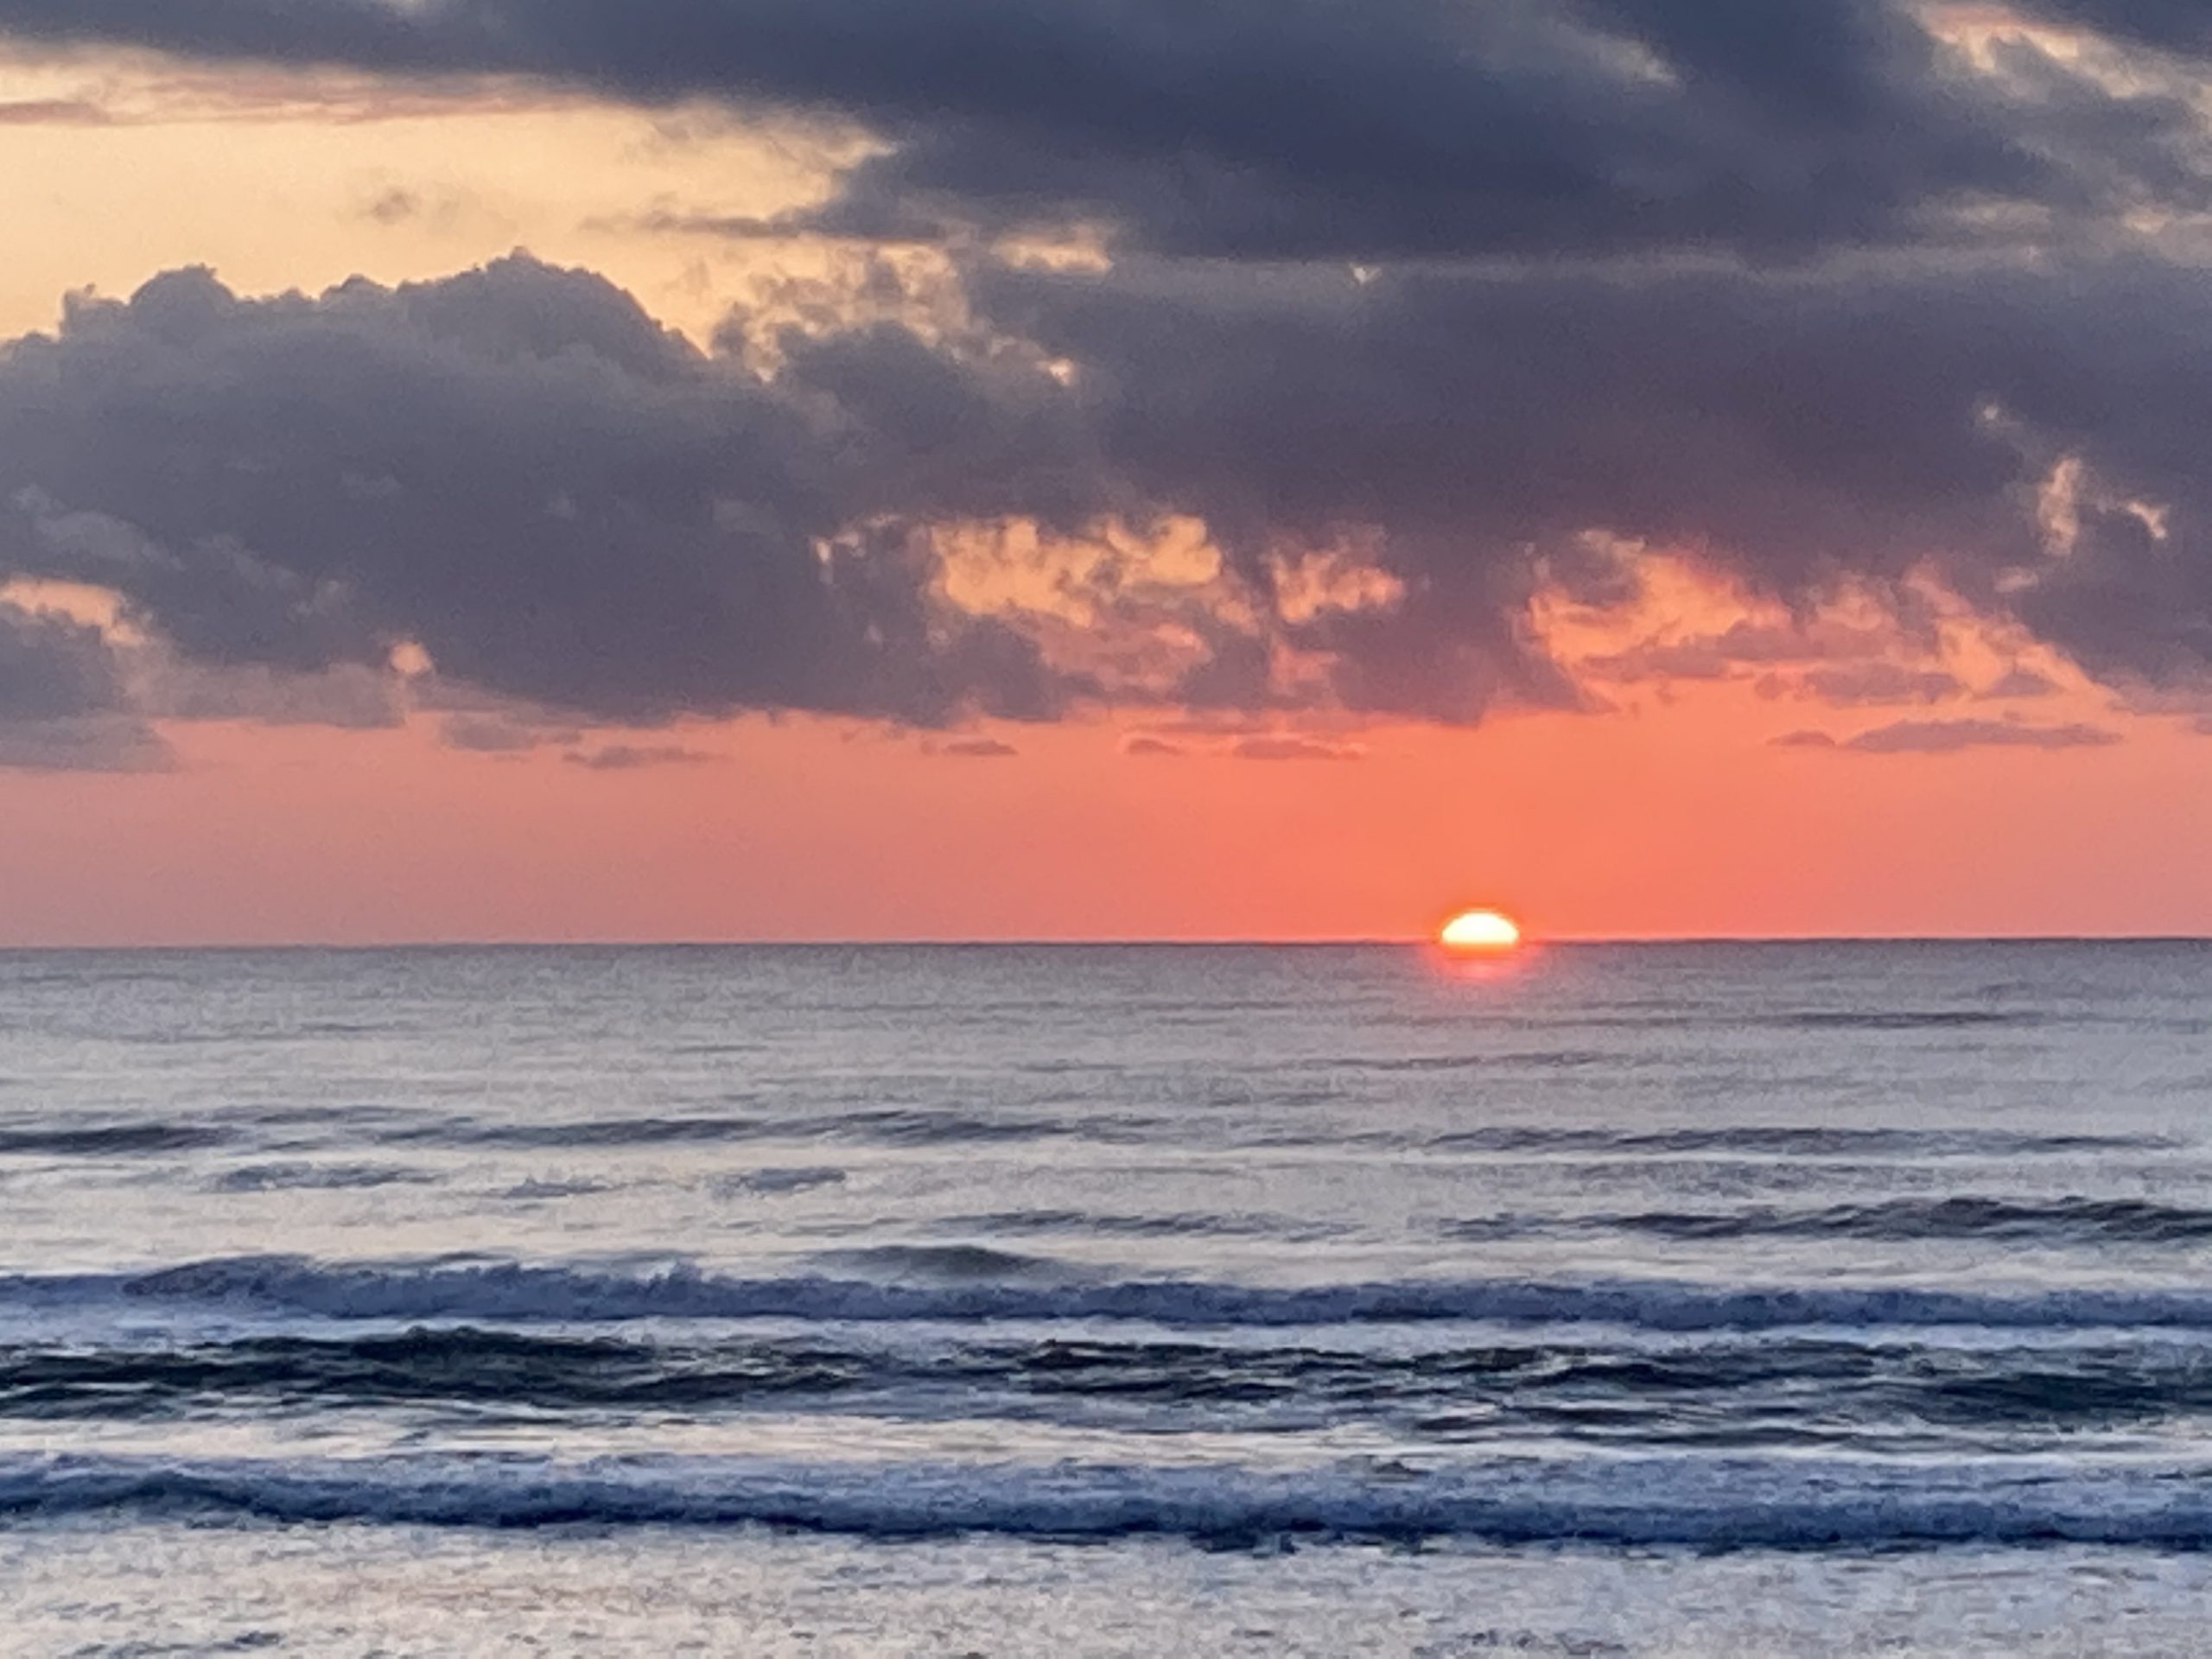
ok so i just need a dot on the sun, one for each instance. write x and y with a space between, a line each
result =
1480 931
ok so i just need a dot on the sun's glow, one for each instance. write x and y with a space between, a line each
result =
1480 929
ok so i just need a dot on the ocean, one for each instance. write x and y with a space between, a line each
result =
1671 1299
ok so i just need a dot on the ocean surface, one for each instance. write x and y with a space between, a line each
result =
1150 1301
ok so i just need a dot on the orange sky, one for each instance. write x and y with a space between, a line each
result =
1674 814
1667 824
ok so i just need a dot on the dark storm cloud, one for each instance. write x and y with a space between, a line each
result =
1352 128
518 470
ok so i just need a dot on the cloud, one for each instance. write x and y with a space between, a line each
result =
53 112
497 734
63 700
1809 294
518 471
394 206
977 748
569 509
1343 128
1800 435
1949 736
1849 683
111 743
54 668
625 757
1295 748
1140 744
350 697
2017 682
442 207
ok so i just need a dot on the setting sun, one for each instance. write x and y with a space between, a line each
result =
1480 929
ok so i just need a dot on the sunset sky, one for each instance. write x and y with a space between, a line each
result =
563 469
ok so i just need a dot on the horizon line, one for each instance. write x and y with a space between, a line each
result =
1533 943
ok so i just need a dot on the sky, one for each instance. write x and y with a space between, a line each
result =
788 469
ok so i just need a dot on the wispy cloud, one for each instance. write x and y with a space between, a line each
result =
625 757
1949 736
1295 748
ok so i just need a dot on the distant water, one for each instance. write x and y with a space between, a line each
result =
1682 1300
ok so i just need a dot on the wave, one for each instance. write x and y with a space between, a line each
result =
1194 1224
1730 1393
109 1140
1793 1142
877 1126
307 1177
1711 1503
1538 1059
2059 1220
1899 1020
775 1179
505 1370
592 1132
520 1294
947 1263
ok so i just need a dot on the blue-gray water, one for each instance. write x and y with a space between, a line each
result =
1686 1299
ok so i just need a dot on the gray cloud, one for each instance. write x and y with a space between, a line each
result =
1795 431
571 510
1144 746
1344 129
978 748
1949 736
54 668
1880 682
1295 748
53 112
494 733
2017 682
115 743
63 702
517 469
629 757
349 697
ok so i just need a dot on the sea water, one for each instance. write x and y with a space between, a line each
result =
1637 1299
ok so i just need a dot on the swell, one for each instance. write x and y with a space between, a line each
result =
922 1127
518 1293
1710 1503
2065 1220
108 1140
883 1126
1737 1393
1795 1141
